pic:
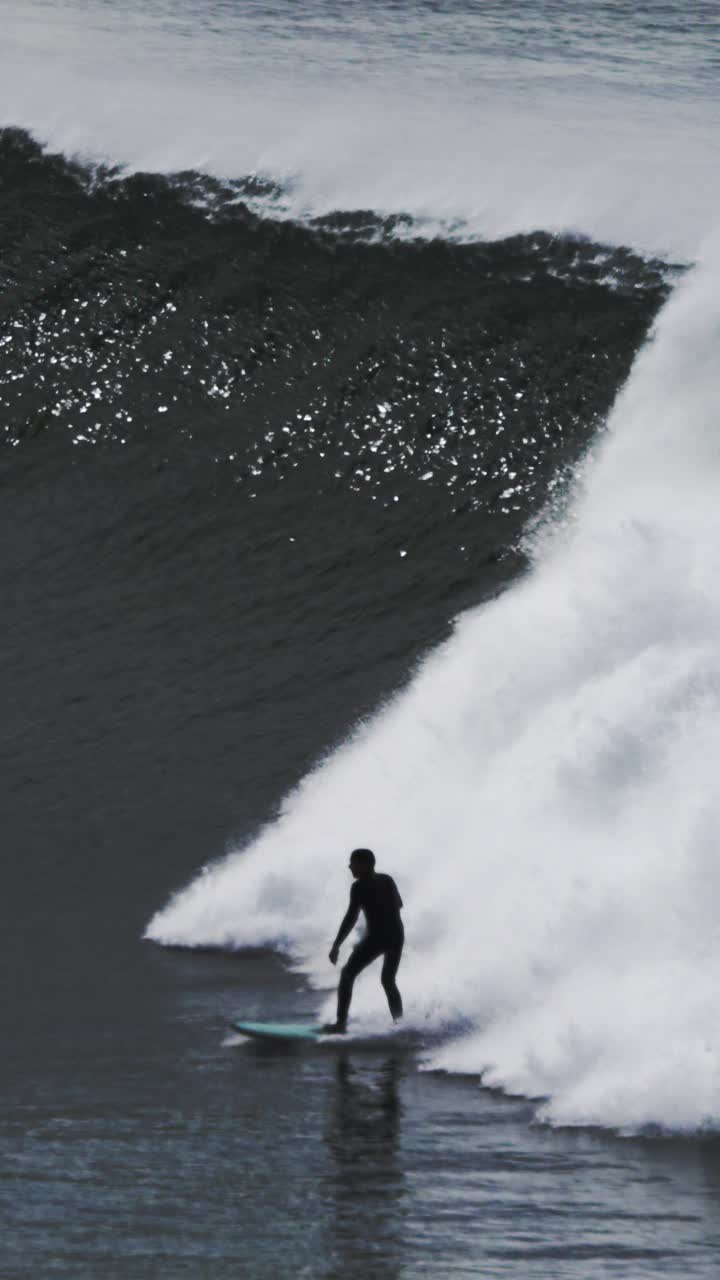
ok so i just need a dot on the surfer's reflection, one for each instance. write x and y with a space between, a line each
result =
363 1135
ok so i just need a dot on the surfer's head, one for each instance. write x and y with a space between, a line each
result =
362 862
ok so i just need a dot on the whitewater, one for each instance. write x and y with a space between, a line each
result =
544 789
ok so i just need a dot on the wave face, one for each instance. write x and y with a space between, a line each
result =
545 791
333 356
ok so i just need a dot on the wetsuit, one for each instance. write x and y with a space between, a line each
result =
376 895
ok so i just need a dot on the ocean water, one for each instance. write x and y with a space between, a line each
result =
359 395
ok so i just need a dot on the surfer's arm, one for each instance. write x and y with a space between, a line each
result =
348 924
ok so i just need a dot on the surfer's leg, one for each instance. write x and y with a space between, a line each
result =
361 956
387 977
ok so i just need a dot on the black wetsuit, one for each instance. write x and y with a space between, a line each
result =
377 896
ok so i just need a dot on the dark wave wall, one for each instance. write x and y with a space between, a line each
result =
251 471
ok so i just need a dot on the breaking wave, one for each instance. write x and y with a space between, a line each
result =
544 792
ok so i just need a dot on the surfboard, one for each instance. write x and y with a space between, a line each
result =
311 1033
290 1031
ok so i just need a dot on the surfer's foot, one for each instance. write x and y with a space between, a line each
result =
333 1029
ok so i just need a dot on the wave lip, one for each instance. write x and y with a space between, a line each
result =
545 790
464 131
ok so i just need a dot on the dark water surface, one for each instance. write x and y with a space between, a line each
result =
144 1142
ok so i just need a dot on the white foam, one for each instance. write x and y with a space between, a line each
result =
467 132
546 791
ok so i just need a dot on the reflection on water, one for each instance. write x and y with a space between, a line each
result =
367 1180
710 1163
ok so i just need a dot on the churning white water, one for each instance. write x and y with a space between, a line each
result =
545 792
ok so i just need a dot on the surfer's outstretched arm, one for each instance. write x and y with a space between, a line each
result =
348 924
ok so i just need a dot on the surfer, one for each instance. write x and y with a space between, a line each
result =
376 895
